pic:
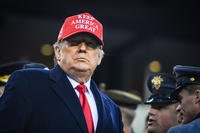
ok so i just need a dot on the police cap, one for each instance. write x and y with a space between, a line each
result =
161 86
7 69
186 75
124 98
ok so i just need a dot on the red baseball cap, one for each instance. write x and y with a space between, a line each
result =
83 22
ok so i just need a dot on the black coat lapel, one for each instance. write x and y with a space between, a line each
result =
65 91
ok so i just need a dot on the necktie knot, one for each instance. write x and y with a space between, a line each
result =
81 88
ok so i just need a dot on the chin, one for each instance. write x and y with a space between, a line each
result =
82 68
151 130
82 65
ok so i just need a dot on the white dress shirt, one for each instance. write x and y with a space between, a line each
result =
90 98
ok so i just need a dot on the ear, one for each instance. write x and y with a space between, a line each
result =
57 51
197 96
100 56
99 60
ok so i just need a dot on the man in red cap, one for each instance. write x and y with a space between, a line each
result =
65 98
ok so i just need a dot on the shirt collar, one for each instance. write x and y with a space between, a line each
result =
74 83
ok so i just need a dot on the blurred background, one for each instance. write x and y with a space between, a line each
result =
141 36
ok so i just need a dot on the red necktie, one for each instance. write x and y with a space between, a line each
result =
85 106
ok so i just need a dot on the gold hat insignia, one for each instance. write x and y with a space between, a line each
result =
192 79
157 81
4 78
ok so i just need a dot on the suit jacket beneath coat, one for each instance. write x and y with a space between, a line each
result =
44 101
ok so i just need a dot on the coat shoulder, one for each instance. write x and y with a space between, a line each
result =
108 101
192 127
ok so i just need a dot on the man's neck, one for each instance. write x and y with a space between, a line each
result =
197 116
79 76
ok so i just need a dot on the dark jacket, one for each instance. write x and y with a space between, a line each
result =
44 101
192 127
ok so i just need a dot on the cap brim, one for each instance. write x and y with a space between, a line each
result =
123 98
82 31
175 93
160 102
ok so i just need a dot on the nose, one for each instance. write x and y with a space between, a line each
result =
152 111
179 114
178 108
82 46
152 114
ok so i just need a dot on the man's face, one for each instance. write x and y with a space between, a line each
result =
179 114
161 118
1 90
187 106
79 54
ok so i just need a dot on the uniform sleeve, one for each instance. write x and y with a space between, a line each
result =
171 130
14 107
174 129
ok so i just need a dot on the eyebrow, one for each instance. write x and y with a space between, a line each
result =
158 107
180 97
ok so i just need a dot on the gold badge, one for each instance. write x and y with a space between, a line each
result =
157 81
192 79
4 78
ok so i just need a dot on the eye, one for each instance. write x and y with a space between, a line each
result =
91 44
158 107
73 42
76 41
179 98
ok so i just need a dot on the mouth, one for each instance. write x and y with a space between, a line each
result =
82 59
180 117
150 122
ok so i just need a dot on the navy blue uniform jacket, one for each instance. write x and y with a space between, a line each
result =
44 101
192 127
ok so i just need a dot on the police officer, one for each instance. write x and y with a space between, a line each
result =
8 68
188 93
127 101
162 113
